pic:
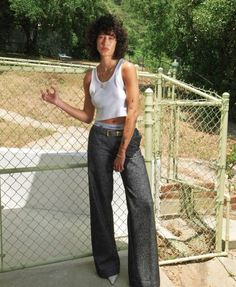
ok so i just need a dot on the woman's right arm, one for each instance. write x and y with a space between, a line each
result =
85 115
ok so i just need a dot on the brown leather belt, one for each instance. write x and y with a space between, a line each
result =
108 132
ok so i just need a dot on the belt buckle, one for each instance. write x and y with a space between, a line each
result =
108 133
114 133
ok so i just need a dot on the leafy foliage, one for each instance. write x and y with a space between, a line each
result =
54 25
207 46
200 34
211 17
151 30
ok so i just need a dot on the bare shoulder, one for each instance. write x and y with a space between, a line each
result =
128 66
129 71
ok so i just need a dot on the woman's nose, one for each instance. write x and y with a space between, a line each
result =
105 40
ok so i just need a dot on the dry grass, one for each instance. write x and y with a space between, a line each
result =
13 135
195 143
20 93
192 142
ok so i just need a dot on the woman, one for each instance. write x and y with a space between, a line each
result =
112 90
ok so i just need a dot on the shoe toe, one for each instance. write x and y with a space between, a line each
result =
112 279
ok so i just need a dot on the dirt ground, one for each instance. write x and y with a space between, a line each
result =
216 272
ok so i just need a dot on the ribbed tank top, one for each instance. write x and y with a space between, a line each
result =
109 98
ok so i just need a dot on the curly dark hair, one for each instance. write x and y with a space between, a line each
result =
107 24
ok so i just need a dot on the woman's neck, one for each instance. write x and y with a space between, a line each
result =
107 63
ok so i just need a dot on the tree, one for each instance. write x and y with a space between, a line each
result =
6 22
28 15
200 33
52 25
152 28
207 45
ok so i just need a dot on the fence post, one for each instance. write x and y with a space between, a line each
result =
173 131
157 143
158 113
221 170
148 133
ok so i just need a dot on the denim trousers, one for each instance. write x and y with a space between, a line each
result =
143 266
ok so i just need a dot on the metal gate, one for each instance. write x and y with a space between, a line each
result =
187 167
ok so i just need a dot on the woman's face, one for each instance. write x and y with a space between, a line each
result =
106 44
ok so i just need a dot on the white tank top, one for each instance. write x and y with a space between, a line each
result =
109 98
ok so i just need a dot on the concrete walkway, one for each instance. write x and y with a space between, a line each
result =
74 273
216 272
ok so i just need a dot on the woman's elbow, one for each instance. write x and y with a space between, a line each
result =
88 119
88 122
88 116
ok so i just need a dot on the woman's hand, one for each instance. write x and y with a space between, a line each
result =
84 115
50 96
119 163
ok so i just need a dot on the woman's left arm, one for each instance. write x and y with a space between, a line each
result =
130 79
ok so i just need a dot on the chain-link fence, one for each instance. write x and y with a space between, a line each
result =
44 214
189 152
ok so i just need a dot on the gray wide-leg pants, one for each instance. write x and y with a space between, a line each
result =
142 247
